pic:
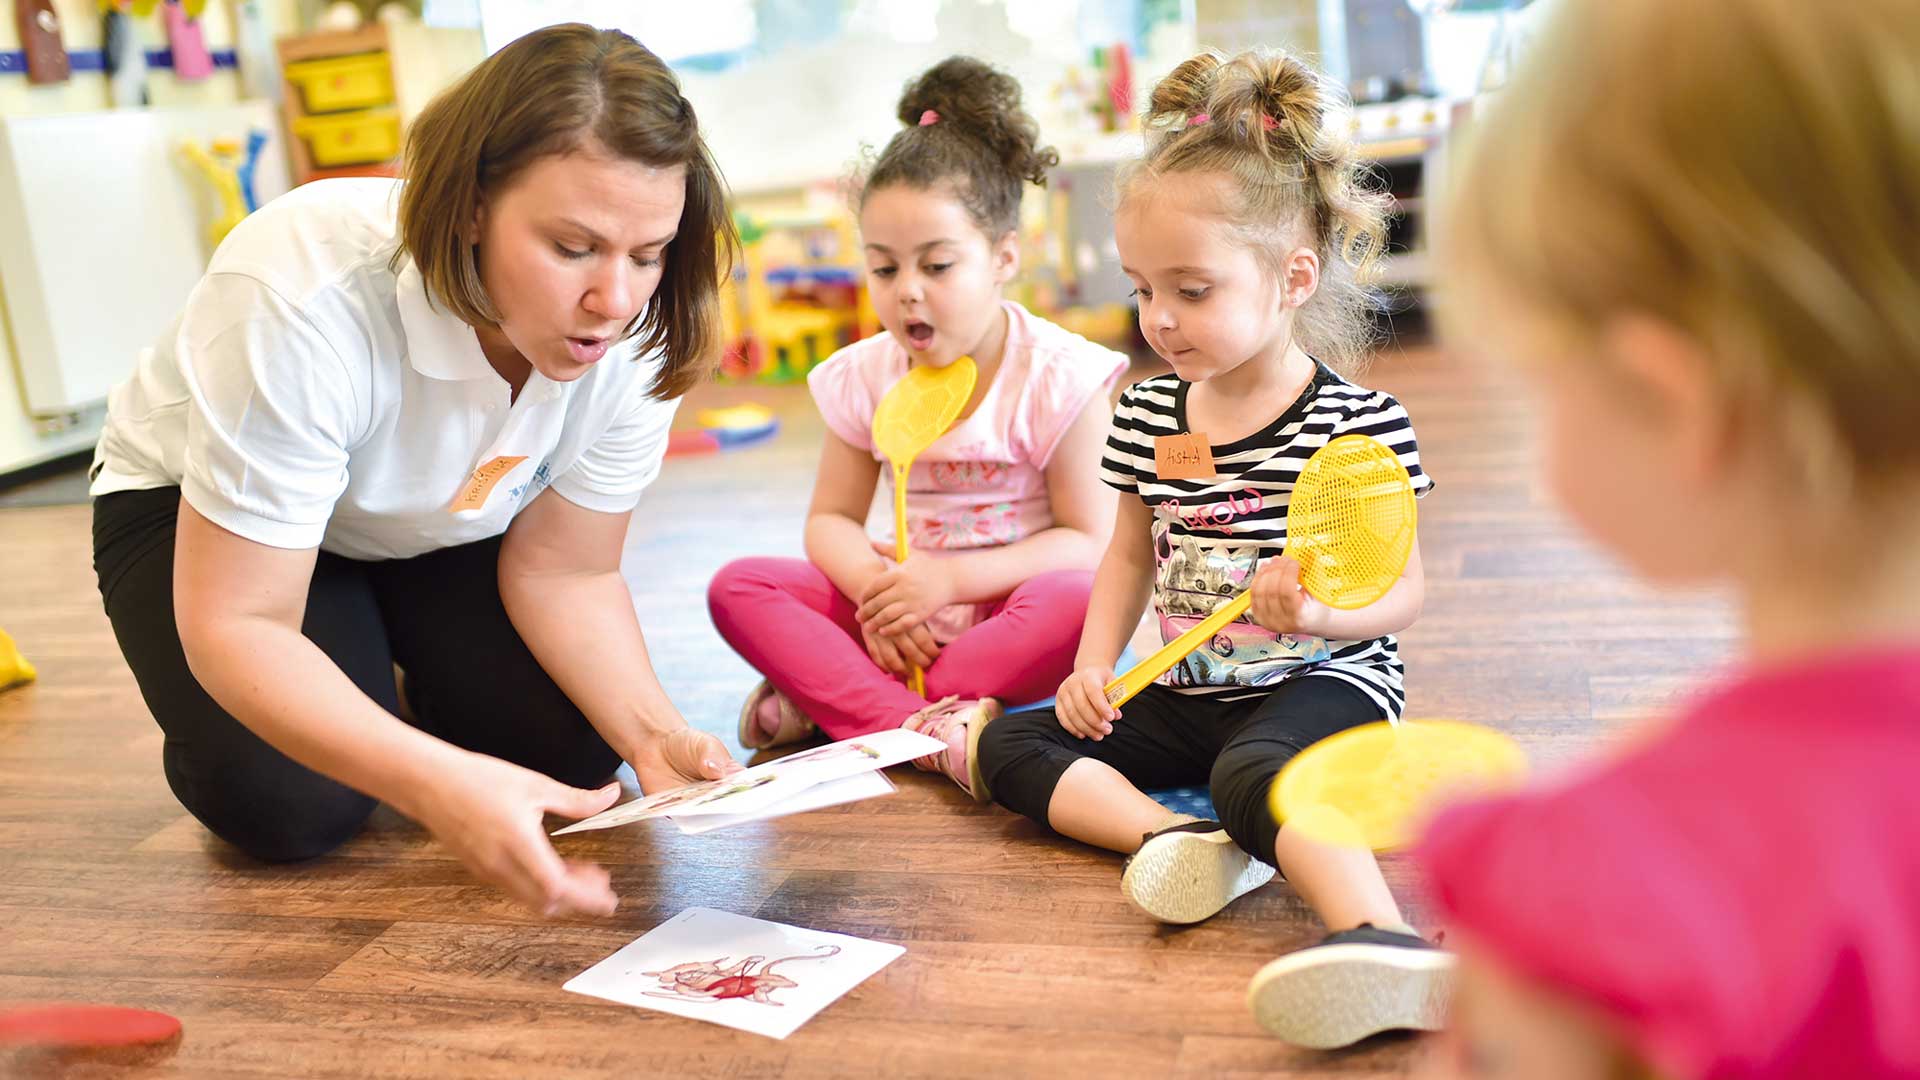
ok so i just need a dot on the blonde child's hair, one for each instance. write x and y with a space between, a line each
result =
1277 131
1747 173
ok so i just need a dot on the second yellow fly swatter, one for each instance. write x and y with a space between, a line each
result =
1350 525
1371 786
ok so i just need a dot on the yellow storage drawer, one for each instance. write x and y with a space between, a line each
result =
351 138
343 82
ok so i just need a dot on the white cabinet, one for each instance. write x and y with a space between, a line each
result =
102 235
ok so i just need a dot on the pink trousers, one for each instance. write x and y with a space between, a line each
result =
788 620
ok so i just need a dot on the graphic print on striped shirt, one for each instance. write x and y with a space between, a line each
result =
1209 534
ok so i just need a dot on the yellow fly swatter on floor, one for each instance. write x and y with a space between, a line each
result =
1371 786
916 411
1350 525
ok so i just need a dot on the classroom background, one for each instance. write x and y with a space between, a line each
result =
123 164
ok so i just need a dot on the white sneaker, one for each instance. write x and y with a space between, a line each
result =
1185 873
1353 984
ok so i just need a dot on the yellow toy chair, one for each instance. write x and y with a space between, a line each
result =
793 337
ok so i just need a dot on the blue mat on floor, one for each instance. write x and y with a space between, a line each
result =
1186 800
1181 800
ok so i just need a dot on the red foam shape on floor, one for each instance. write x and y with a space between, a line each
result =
85 1025
696 441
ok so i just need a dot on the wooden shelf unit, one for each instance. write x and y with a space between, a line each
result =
1409 167
326 45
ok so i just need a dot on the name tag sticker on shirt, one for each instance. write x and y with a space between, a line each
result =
473 494
1183 457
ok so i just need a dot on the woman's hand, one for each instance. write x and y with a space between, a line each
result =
905 596
677 758
489 813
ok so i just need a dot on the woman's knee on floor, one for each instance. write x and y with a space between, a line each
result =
279 813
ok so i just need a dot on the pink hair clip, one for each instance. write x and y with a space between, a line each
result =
929 118
1197 119
1268 122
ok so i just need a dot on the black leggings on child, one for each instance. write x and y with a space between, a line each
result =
470 679
1167 739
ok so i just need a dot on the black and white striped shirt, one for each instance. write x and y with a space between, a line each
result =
1209 535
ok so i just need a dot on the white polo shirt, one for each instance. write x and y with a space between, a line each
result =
310 396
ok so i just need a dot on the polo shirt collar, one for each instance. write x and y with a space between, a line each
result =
439 344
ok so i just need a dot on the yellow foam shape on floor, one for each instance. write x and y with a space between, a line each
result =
14 669
1372 786
736 417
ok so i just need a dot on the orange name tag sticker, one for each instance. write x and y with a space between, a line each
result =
1182 457
473 494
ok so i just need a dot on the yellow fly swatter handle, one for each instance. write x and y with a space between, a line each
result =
911 417
1143 673
919 678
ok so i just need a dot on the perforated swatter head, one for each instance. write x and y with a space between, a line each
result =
921 407
1350 522
1350 525
1372 786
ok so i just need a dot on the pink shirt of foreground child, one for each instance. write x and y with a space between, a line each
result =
1811 923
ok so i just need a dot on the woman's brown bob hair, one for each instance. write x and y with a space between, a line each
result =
555 91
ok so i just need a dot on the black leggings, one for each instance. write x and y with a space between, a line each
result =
1167 739
470 679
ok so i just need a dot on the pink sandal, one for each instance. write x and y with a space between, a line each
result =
958 724
794 726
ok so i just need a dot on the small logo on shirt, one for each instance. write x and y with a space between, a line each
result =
541 478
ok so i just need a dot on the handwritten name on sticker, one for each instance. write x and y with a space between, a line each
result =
1182 457
473 494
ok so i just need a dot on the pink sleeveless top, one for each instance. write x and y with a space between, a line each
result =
983 483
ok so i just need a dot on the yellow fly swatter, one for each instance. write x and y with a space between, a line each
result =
915 412
1371 786
1350 525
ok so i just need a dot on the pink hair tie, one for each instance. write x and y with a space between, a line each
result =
1197 119
929 118
1268 122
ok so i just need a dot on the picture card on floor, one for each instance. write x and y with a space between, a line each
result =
745 973
864 785
752 790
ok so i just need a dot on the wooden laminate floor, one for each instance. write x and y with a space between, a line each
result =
386 959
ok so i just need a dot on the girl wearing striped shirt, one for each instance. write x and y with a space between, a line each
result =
1244 229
